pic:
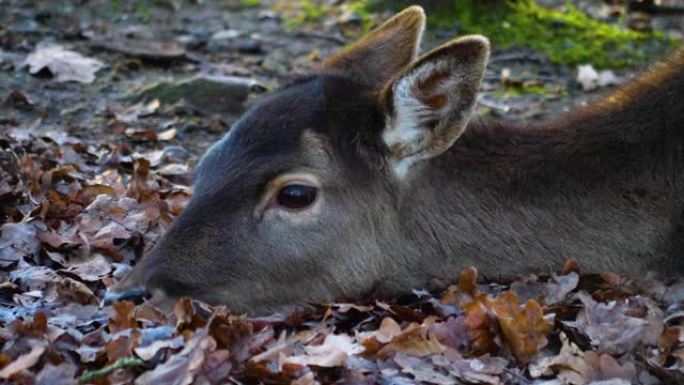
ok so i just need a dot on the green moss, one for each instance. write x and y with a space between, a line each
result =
529 89
297 13
360 7
140 10
312 12
144 11
302 11
251 3
567 37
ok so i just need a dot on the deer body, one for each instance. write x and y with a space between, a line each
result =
536 200
371 176
604 185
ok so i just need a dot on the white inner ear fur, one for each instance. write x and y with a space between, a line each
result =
407 130
432 102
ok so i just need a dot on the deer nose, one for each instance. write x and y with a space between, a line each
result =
135 294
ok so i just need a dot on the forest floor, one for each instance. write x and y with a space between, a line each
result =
105 108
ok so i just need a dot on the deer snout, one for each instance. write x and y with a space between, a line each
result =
141 283
156 297
132 288
135 294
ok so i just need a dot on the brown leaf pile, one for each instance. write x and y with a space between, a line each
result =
76 216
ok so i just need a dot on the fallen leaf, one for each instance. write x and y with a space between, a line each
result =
181 368
559 287
17 240
611 326
524 327
121 317
148 352
480 370
63 374
141 109
91 270
57 241
588 77
23 362
65 65
576 367
422 371
332 352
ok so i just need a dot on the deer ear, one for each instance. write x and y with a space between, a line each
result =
429 104
384 51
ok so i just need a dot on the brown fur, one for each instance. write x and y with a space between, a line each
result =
380 55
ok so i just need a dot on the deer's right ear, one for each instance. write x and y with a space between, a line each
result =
429 104
384 51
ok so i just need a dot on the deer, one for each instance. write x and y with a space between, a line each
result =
371 176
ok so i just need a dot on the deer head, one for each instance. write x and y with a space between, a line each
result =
301 200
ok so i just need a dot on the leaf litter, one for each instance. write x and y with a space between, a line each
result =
77 222
65 238
63 64
75 214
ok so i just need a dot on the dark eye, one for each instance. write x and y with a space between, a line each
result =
296 196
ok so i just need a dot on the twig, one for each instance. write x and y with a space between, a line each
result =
120 363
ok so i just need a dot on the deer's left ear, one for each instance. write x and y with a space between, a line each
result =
429 104
384 51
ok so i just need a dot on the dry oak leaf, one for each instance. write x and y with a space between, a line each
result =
36 328
57 241
466 289
24 361
416 339
477 370
558 288
332 352
122 317
375 340
679 354
422 371
65 65
148 352
575 367
91 270
122 344
482 326
17 240
63 374
181 368
524 327
479 320
613 328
